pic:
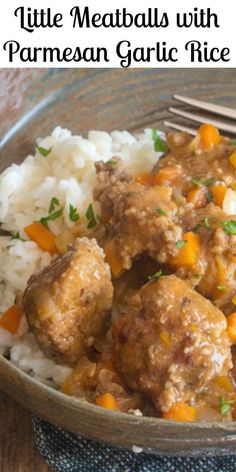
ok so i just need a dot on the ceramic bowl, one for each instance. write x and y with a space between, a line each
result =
33 102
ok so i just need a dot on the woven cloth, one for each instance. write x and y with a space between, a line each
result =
66 452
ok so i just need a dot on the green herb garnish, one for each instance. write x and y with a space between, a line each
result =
225 405
206 223
209 197
112 162
16 235
161 212
157 275
44 152
198 276
233 142
221 287
159 144
154 134
202 182
54 202
181 243
90 217
51 217
229 226
73 213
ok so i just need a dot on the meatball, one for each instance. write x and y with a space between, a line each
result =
138 219
171 342
67 303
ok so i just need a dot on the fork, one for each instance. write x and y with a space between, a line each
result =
199 118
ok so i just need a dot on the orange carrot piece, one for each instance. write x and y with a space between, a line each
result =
112 258
10 320
42 236
167 175
209 136
107 400
180 412
218 192
188 254
231 330
145 178
197 197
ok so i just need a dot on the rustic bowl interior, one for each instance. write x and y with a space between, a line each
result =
33 102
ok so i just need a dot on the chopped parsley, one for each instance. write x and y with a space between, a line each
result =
181 243
112 162
233 142
159 144
203 182
157 275
206 223
73 213
54 202
161 211
225 405
229 226
221 287
51 217
209 197
90 217
44 152
16 235
198 276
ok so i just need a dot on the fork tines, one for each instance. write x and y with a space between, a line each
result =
199 118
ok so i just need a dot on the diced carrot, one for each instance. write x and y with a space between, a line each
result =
10 320
231 330
232 158
42 236
145 178
188 254
197 197
209 136
223 381
167 175
112 258
107 400
180 412
218 192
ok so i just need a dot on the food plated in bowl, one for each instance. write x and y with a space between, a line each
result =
139 99
118 268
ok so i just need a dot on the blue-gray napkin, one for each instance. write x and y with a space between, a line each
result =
66 452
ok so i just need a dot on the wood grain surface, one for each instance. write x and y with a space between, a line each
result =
18 452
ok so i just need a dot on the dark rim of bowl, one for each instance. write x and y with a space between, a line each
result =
227 427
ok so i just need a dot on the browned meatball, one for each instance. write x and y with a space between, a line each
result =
171 342
67 303
138 219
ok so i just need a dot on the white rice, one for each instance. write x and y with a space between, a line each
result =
26 190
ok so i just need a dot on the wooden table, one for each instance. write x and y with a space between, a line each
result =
18 452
